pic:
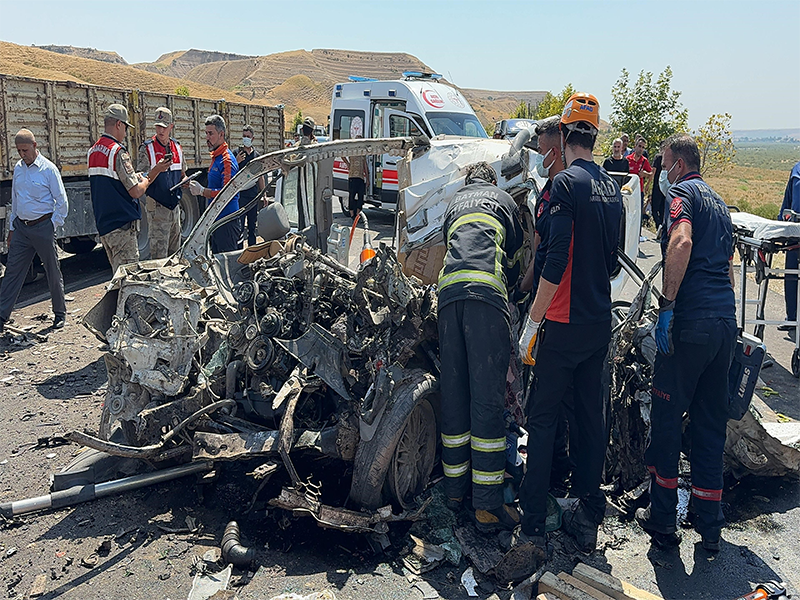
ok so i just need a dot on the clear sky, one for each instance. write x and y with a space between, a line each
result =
741 57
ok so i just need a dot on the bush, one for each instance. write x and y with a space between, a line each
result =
182 90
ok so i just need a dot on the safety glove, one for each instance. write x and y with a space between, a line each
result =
528 340
196 189
664 326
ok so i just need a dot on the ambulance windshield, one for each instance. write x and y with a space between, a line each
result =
463 124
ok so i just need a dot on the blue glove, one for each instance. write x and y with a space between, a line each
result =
664 330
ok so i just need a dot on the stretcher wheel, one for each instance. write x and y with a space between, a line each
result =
796 362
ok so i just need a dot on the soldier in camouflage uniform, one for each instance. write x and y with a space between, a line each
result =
163 206
116 188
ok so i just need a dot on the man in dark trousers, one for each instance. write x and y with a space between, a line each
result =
484 237
549 148
573 310
247 153
38 206
695 335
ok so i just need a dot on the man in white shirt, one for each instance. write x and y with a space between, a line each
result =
38 206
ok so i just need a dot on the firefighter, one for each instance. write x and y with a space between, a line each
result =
695 335
568 328
484 238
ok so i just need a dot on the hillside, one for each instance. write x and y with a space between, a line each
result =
298 79
178 64
93 53
303 80
36 62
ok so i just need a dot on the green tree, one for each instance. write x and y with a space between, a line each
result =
182 90
650 108
298 120
524 110
715 142
553 104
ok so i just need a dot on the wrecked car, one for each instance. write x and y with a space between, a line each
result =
280 350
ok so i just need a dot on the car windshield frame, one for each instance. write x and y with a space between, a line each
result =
457 121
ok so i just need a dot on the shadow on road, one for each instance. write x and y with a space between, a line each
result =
63 386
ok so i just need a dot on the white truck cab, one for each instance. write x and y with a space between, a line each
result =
418 104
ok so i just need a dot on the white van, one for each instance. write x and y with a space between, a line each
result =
417 104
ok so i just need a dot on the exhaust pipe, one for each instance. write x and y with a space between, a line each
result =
232 550
84 493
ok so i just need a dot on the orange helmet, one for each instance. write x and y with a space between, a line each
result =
581 108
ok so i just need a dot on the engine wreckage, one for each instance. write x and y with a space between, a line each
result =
280 351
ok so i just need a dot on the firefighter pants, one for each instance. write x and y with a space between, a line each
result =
475 350
568 355
693 379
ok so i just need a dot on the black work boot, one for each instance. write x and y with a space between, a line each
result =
577 523
504 517
662 536
710 542
455 504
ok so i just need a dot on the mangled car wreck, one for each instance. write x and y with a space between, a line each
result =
280 352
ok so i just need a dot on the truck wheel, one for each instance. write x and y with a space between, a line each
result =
796 363
79 245
144 236
403 447
190 214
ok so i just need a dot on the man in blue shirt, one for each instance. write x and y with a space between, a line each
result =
695 335
791 201
38 206
223 167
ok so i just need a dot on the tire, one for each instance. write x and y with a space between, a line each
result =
796 363
344 203
79 245
411 400
190 214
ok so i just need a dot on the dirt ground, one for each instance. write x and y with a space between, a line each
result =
144 544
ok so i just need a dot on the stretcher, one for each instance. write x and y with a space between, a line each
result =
758 239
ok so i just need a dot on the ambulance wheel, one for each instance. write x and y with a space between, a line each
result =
796 363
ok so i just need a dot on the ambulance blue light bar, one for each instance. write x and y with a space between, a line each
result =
360 79
420 75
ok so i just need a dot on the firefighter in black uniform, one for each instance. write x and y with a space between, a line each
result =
695 335
573 309
484 239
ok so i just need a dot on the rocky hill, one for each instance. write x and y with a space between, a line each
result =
303 80
93 53
298 79
37 62
178 64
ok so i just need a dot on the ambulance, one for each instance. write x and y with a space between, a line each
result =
418 104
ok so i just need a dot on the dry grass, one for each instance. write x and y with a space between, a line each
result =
35 62
752 190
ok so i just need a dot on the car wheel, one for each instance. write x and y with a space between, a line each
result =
407 432
144 236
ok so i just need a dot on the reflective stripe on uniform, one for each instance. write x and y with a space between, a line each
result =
466 275
489 445
455 470
703 494
488 477
455 441
479 218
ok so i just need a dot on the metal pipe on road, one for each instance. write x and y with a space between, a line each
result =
93 491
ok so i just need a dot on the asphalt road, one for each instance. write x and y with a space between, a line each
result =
58 386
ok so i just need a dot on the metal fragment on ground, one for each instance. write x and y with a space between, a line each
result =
205 585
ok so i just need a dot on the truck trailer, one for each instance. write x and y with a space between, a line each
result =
67 118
